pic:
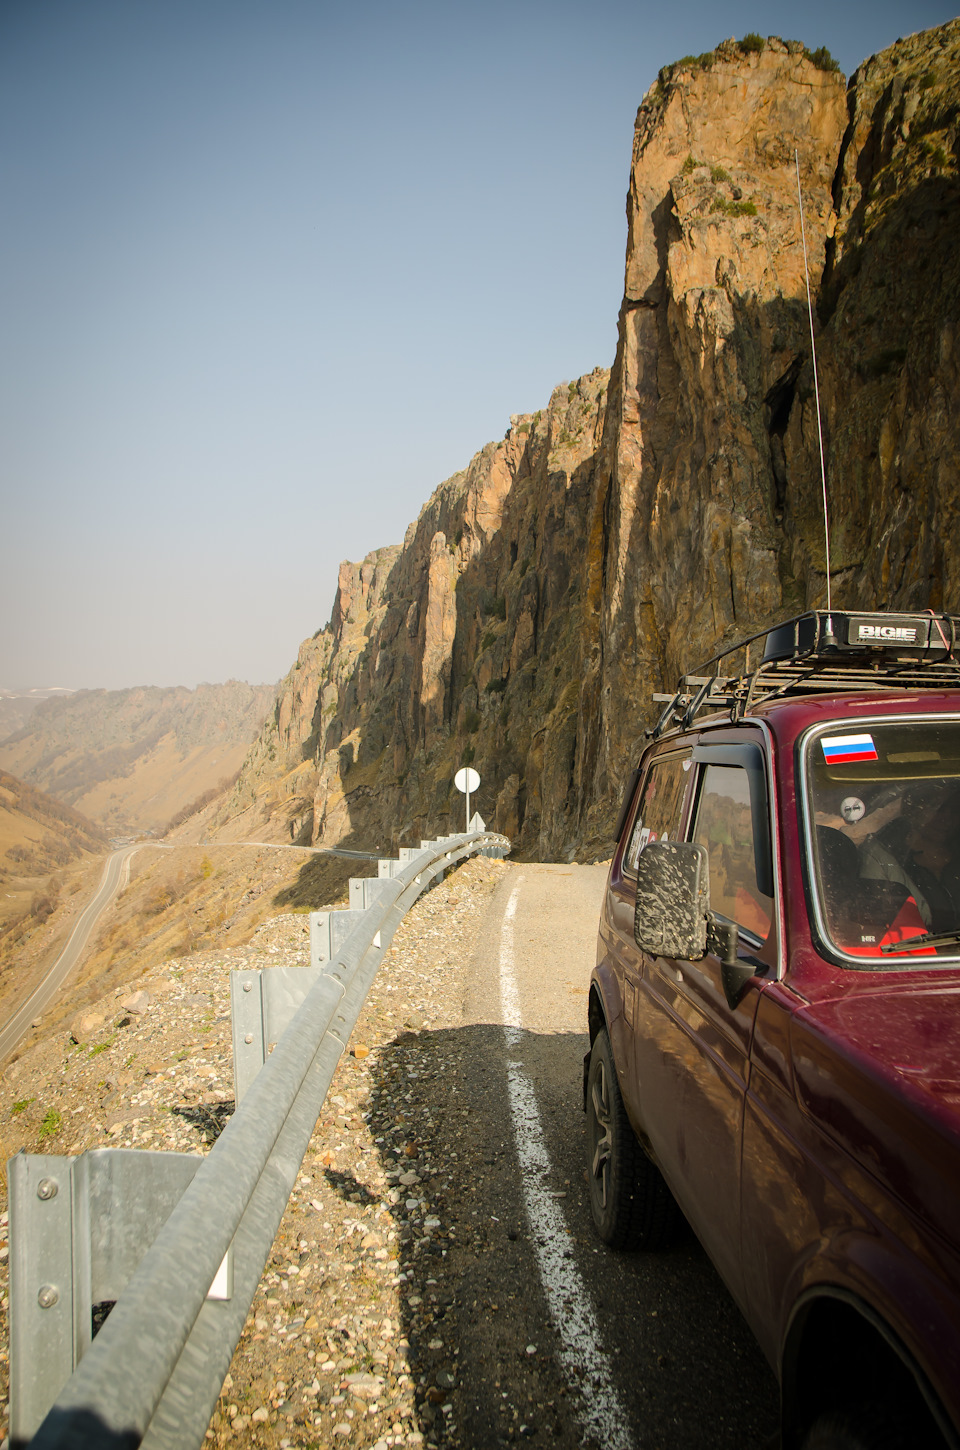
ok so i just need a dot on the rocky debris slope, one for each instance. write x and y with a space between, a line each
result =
345 1342
649 515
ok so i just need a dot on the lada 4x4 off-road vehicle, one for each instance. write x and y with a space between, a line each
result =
775 1015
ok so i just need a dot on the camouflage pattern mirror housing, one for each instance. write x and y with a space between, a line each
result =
673 898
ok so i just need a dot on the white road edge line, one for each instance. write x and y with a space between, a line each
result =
599 1406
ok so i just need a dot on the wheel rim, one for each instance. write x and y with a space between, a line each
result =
603 1143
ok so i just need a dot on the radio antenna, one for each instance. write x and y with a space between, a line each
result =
828 637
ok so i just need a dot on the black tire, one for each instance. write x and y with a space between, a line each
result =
632 1206
873 1427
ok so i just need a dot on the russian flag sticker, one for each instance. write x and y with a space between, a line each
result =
842 749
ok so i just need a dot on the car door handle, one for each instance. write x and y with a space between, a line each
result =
672 973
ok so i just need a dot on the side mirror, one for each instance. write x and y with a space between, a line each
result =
673 916
673 898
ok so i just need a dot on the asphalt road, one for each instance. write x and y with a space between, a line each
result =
562 1340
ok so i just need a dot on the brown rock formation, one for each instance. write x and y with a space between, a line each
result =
457 646
891 302
649 515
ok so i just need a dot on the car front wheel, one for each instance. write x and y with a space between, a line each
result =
632 1206
872 1428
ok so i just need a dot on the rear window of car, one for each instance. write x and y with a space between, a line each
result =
660 811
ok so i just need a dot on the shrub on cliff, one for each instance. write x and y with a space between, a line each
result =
821 58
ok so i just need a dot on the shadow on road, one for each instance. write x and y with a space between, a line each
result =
484 1354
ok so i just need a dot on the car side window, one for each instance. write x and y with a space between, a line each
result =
725 826
661 804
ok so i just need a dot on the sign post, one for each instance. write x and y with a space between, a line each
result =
467 780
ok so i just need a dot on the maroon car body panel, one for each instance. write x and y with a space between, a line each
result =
811 1134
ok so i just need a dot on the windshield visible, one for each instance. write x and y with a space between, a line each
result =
883 802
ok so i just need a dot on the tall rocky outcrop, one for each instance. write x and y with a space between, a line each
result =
463 645
649 515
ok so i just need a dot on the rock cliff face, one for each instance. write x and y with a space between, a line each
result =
891 305
463 645
649 515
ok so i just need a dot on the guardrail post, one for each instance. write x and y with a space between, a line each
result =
328 932
41 1287
78 1229
366 891
263 1003
247 1029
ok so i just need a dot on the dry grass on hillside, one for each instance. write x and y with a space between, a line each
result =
50 860
159 784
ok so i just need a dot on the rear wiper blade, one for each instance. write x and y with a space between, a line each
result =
911 943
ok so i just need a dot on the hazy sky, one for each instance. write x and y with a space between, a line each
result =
270 270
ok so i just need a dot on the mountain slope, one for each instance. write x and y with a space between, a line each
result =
131 759
39 834
47 851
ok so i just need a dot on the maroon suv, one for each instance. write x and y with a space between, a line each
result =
775 1016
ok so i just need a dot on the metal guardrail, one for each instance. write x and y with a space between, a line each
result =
180 1241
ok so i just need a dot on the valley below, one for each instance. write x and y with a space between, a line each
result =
176 899
132 760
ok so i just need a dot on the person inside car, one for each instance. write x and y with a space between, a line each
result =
862 914
920 847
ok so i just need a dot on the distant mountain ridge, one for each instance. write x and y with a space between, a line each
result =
132 759
16 706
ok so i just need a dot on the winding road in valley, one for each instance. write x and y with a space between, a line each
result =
116 873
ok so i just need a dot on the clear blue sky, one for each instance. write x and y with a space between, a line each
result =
270 270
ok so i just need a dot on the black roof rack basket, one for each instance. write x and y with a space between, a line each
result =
819 652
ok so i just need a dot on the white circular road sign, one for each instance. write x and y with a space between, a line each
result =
466 779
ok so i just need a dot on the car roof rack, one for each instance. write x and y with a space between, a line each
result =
822 651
